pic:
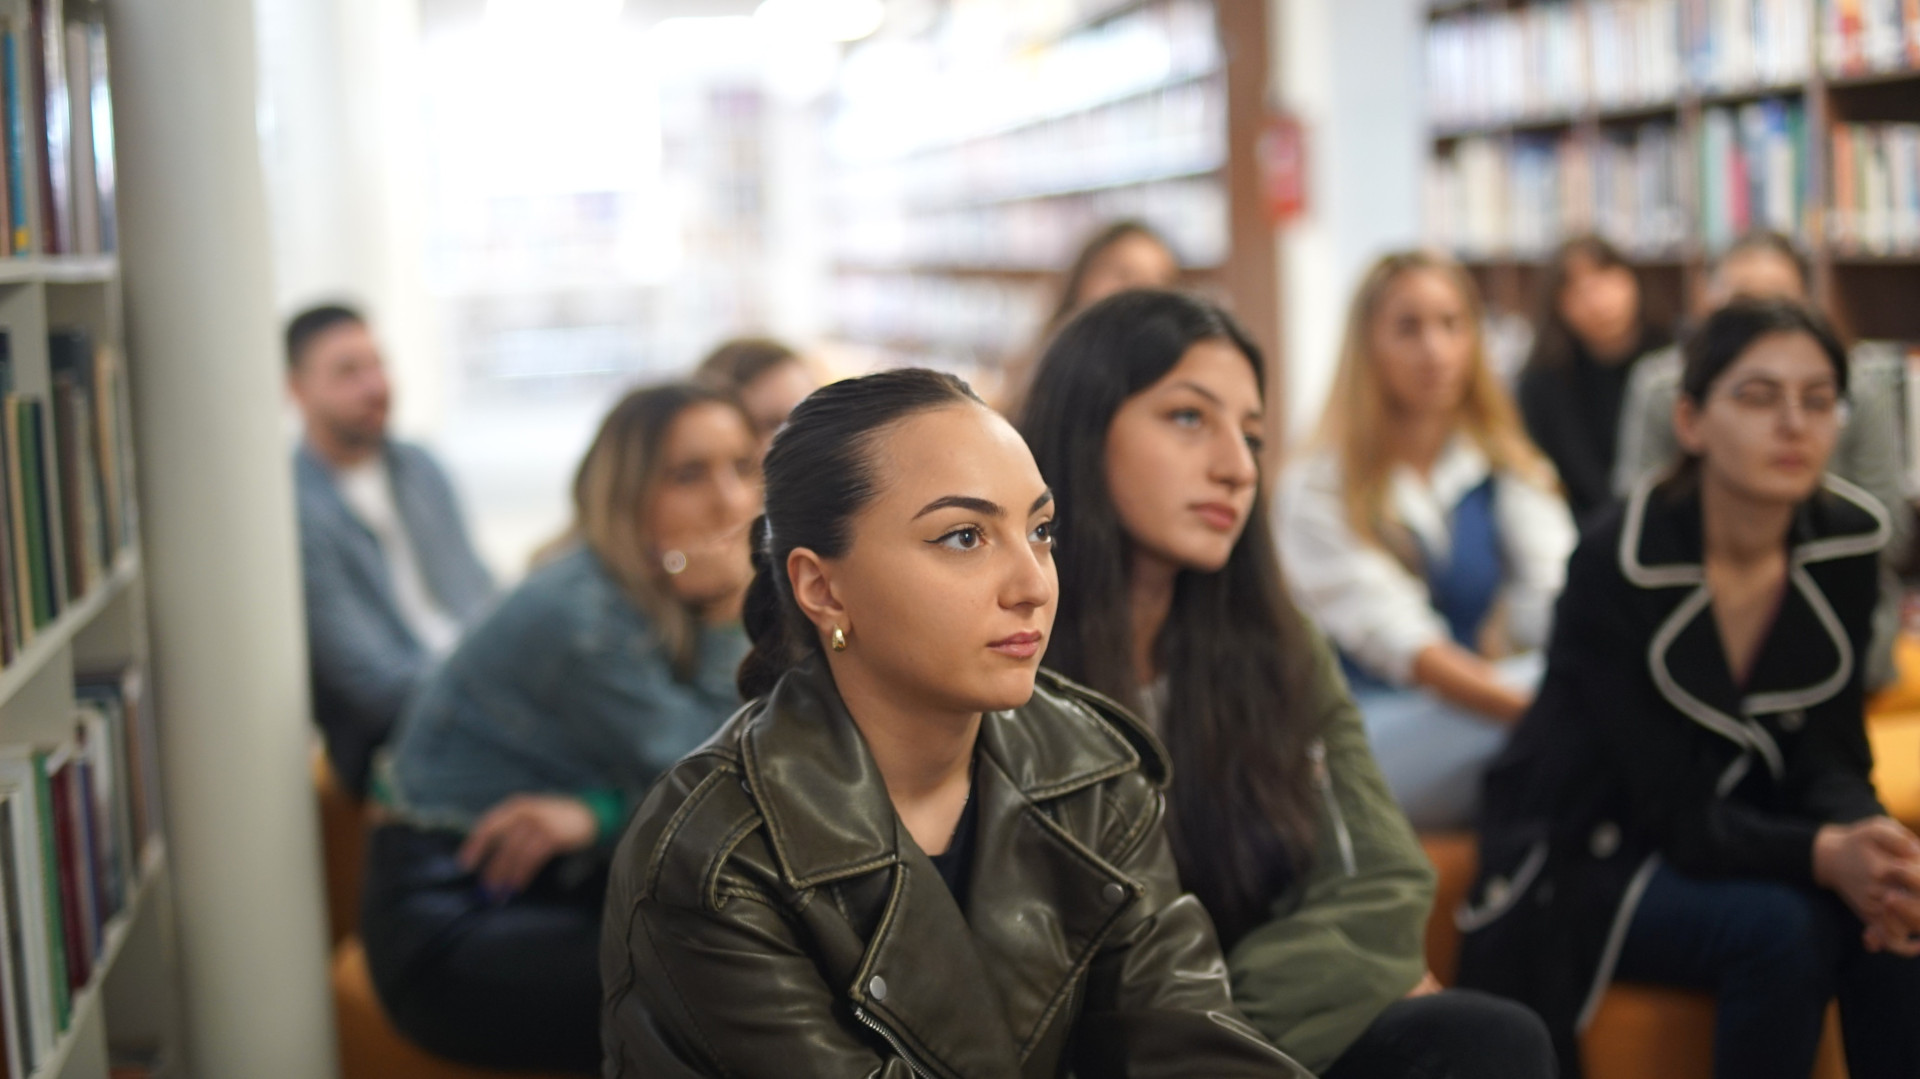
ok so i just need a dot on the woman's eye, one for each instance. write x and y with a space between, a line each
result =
962 539
1042 534
1255 444
1186 417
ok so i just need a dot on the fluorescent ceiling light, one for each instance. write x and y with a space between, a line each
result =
829 20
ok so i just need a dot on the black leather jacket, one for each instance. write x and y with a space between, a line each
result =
770 916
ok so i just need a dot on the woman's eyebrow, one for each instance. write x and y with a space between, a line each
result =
982 506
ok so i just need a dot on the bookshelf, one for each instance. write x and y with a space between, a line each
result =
60 278
970 161
1671 127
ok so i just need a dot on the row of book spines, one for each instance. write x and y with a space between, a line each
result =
66 494
53 88
74 819
1876 187
1859 37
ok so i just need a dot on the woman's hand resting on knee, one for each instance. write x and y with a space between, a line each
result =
1874 865
517 838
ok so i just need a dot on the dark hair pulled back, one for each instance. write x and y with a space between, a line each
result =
819 473
1726 335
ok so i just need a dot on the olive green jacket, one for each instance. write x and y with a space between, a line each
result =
1347 938
770 916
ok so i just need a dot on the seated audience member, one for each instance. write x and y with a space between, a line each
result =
516 767
1126 254
765 376
1146 417
1687 802
1592 329
1766 265
1424 535
902 857
391 578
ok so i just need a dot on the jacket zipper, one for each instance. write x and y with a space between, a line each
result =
912 1066
1323 776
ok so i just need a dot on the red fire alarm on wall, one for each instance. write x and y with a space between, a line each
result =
1282 152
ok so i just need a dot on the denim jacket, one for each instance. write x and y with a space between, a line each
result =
563 689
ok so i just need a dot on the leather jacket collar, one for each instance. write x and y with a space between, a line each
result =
799 741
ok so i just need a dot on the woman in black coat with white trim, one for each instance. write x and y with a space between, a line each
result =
1687 802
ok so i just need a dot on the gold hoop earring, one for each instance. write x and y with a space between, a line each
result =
838 640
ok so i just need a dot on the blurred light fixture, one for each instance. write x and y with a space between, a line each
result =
521 12
828 20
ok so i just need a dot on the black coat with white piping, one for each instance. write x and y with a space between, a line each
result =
1640 748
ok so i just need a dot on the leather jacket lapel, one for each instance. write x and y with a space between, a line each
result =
825 804
970 1001
923 984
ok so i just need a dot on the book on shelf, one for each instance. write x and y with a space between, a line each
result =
19 232
119 694
27 486
86 453
1522 196
1753 171
70 123
46 43
1874 186
68 863
23 1051
1742 44
1863 37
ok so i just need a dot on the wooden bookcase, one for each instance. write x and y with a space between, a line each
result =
1870 295
954 212
131 999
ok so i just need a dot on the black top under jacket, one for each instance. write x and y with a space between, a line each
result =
1640 748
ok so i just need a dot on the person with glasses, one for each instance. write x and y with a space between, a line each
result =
1767 265
1687 802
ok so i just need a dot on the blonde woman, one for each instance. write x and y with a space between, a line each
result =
1426 536
519 762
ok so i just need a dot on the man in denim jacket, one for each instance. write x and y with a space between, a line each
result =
391 576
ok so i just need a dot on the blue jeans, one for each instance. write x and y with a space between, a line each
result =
511 985
1432 753
1773 955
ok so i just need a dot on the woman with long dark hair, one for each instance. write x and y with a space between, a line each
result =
519 761
1146 418
1591 330
906 856
1687 803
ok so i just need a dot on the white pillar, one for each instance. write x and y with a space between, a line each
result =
218 522
1353 71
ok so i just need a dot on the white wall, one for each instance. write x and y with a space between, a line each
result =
1351 69
339 118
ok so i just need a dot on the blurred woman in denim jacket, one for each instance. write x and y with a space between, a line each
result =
515 769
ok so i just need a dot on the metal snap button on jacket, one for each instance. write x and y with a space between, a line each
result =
1114 893
877 988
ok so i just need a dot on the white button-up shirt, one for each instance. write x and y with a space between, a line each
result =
1377 610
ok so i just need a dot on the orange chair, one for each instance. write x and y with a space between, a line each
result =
343 839
1904 694
1896 763
370 1048
1639 1030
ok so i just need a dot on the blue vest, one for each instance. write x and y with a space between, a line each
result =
1464 586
